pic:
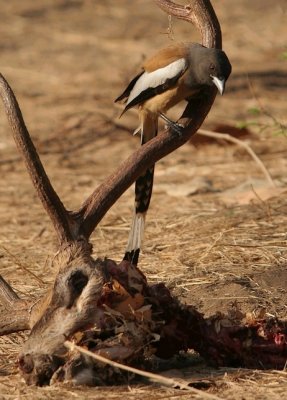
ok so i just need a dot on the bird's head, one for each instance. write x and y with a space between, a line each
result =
211 67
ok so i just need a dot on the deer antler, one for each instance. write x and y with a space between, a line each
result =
201 14
16 316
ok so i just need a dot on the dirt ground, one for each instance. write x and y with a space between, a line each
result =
216 230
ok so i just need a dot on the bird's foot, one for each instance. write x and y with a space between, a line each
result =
178 128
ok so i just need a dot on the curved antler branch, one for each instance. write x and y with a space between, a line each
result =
202 15
41 182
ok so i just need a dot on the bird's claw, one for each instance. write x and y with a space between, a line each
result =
177 128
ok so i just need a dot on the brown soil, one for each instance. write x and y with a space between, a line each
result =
216 232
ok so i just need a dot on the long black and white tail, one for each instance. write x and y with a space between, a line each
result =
143 193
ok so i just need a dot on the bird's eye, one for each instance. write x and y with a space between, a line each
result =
212 67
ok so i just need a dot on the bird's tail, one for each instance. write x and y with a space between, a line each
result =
143 192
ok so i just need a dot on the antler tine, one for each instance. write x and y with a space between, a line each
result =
14 321
7 294
16 316
200 13
60 218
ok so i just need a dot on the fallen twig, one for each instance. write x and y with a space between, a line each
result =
151 376
229 138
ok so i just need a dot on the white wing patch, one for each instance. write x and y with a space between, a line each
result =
157 77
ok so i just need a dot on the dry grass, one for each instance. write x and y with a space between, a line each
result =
218 240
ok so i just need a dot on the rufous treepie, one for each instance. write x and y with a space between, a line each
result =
178 72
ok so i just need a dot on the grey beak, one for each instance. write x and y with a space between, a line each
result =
219 83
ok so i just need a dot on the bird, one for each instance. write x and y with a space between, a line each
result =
181 71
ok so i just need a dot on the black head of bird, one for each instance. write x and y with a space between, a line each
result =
207 67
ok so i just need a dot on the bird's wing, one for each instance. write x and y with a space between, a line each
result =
149 84
165 67
126 93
